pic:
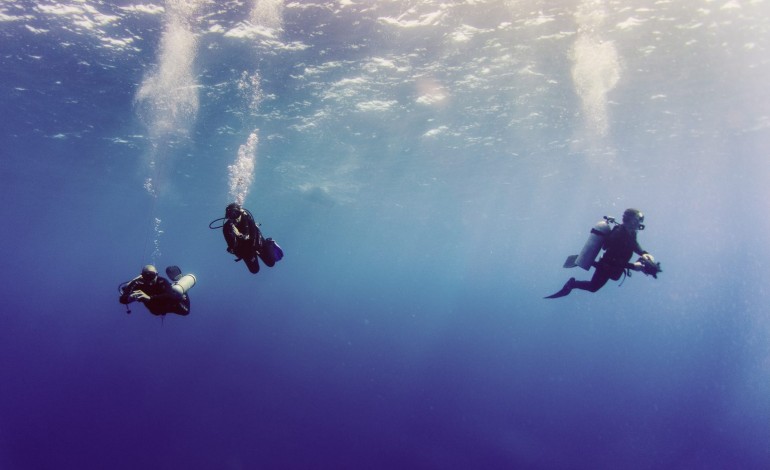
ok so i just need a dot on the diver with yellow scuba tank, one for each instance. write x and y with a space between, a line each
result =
157 293
620 244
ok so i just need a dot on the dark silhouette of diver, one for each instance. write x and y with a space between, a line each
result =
157 293
245 240
620 245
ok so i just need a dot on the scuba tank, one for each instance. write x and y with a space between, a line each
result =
183 284
592 246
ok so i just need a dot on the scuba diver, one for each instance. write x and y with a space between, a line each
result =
245 240
157 293
620 244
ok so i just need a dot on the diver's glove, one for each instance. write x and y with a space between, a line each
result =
139 295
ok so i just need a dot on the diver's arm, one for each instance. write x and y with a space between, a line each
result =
244 231
644 257
647 256
231 233
140 296
126 296
638 249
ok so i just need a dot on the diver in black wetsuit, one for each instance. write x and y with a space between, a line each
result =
245 240
619 247
155 292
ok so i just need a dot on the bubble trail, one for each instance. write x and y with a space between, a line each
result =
595 68
242 170
167 99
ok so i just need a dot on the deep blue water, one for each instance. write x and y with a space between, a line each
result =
426 167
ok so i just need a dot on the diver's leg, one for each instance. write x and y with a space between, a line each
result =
264 250
249 256
599 279
266 255
252 263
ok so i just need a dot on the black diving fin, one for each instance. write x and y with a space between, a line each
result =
568 286
173 273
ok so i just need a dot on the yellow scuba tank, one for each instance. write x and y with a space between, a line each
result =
183 284
592 246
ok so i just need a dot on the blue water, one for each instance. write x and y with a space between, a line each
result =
426 167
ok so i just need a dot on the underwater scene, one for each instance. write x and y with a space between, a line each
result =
363 206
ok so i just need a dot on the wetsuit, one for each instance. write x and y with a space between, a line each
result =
162 299
244 240
620 246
